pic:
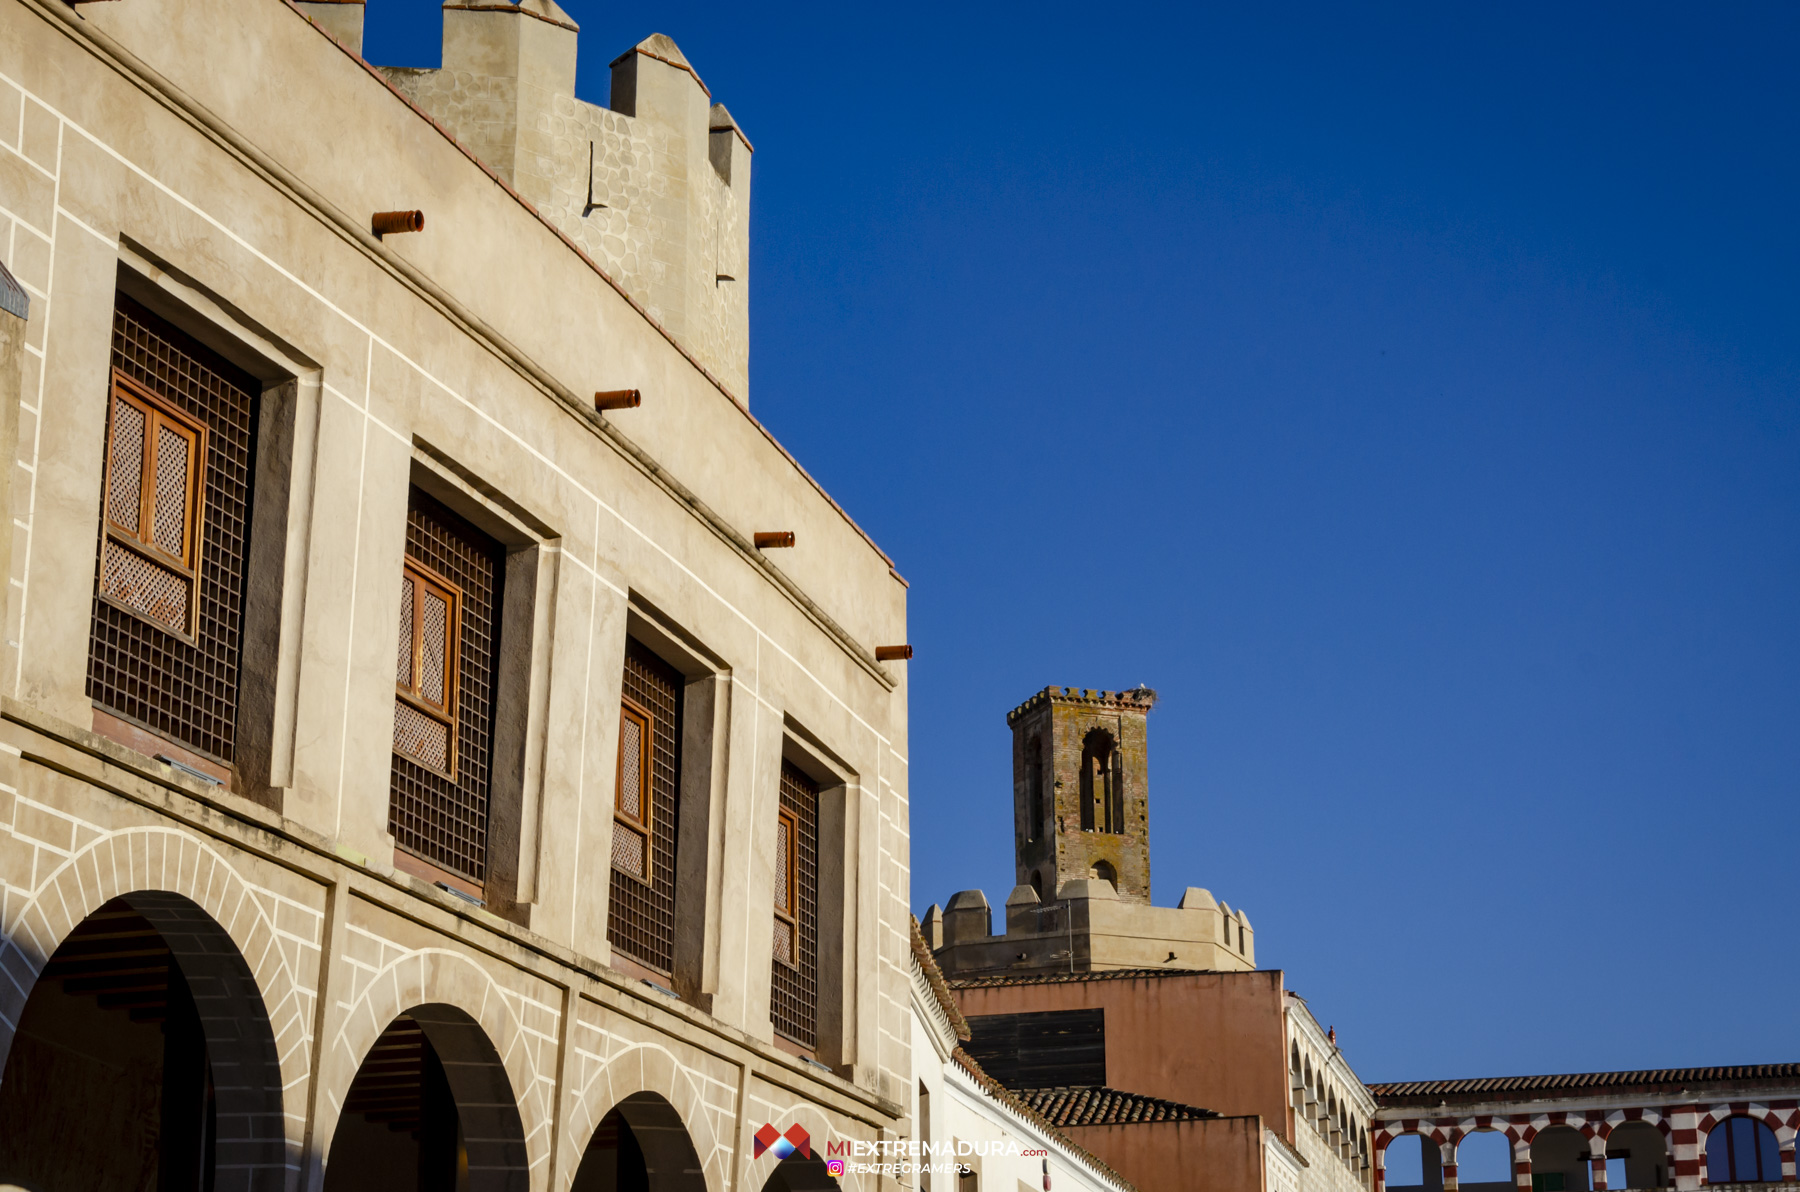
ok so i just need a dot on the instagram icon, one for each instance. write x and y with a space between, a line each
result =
834 1168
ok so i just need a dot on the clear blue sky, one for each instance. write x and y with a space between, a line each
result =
1408 394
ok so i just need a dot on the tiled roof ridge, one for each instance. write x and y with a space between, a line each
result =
1098 1105
934 977
1061 978
1010 1099
1574 1080
1135 697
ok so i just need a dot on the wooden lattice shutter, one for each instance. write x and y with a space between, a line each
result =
641 918
794 979
446 651
175 509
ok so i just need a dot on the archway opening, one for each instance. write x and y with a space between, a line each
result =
1484 1162
1102 799
1106 873
1559 1160
641 1145
1742 1150
143 1049
1637 1156
1413 1162
430 1109
795 1174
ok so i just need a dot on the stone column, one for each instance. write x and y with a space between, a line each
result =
1687 1150
1597 1162
1522 1164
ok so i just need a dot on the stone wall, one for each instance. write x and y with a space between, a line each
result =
164 151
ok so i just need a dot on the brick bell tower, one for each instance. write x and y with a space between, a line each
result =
1081 789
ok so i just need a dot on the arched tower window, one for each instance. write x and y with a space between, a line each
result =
1102 788
1105 872
1034 791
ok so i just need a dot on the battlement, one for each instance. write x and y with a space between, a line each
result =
654 187
1088 928
1137 699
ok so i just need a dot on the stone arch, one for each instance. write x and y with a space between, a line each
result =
459 997
1101 785
757 1171
639 1069
227 1034
1562 1147
794 1174
1475 1136
1750 1155
1394 1132
148 865
659 1146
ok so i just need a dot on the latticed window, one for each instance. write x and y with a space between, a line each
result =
794 1000
445 654
425 672
175 500
641 921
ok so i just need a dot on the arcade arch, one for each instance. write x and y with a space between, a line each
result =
145 1027
1642 1151
1410 1161
794 1174
431 1108
641 1145
1742 1150
1484 1157
1559 1160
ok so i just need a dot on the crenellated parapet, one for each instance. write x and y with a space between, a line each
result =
654 187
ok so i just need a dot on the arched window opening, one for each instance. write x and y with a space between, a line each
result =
642 1145
1484 1157
1637 1156
1413 1163
1102 785
1034 791
431 1107
1106 873
1742 1150
795 1174
109 1081
1559 1160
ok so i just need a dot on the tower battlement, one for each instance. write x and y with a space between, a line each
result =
655 187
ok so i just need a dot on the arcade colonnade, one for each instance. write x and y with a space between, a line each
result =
319 1002
1684 1131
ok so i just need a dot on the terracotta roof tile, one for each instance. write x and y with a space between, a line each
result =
934 977
1094 1106
1011 1100
1403 1089
1062 978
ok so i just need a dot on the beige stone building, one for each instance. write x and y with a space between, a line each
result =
445 741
